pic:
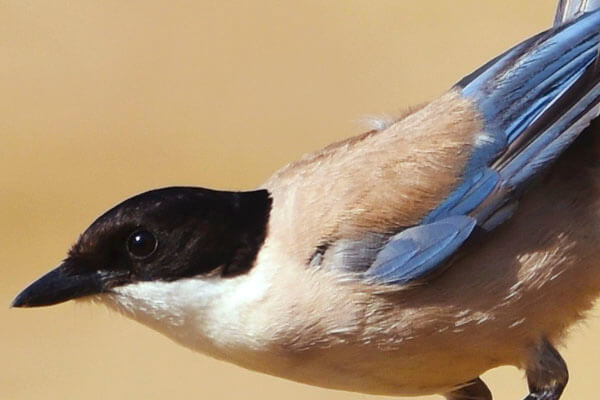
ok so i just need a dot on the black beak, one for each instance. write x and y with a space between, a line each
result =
65 282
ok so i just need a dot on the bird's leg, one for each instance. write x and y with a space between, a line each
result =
472 390
547 374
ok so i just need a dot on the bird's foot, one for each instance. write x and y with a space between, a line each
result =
547 374
472 390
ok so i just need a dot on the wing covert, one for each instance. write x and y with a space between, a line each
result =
535 100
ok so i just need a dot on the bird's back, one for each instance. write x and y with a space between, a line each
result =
380 181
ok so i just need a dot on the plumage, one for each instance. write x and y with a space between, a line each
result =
415 252
523 128
404 261
567 10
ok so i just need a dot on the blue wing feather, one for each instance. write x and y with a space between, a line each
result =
535 99
415 252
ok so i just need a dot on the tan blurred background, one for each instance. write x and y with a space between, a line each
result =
103 99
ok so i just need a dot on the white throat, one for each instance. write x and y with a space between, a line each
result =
210 315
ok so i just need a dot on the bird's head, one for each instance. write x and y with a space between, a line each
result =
162 235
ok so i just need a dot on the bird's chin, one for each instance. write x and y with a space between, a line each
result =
100 298
148 302
111 299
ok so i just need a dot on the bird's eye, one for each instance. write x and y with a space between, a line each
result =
141 243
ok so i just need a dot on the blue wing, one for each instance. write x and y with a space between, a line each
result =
415 251
535 99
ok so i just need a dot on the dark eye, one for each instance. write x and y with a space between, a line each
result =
141 243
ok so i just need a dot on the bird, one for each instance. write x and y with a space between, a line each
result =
408 260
